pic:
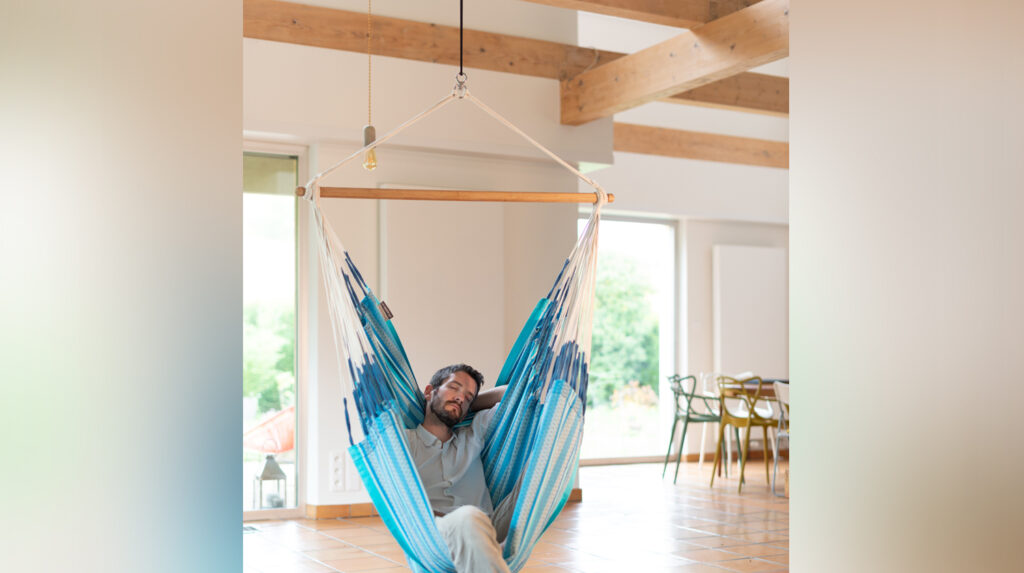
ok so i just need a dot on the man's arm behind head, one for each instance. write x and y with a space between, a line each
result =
487 398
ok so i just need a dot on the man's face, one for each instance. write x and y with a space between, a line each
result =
450 402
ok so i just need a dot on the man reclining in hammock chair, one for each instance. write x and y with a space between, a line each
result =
448 461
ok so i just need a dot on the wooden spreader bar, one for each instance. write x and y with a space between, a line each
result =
454 195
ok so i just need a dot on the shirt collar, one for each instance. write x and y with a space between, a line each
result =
428 439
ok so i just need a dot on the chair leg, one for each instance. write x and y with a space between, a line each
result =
775 443
736 435
718 451
767 468
727 452
743 459
682 441
703 437
671 438
775 472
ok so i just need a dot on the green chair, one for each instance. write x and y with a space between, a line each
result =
687 406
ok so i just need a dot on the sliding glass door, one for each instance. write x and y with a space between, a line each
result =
269 389
633 341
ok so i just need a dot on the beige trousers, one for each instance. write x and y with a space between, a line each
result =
474 539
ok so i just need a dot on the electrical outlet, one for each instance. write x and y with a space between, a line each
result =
344 475
338 462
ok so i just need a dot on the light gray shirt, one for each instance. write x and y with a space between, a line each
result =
451 471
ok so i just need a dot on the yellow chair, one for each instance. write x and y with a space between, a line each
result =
740 409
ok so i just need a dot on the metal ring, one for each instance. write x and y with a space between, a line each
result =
460 88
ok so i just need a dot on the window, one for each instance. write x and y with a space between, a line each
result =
269 387
633 340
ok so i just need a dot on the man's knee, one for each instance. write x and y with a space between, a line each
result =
470 537
466 522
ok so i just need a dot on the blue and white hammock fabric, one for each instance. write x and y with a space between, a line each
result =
533 442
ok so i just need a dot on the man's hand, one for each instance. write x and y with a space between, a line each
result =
487 398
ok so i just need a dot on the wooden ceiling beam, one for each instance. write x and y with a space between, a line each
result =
745 39
720 8
633 138
748 91
393 37
307 25
678 13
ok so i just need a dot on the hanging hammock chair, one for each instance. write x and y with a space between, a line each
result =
533 441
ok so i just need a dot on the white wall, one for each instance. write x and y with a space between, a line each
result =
696 345
534 254
751 310
356 222
907 274
446 283
688 188
121 285
699 239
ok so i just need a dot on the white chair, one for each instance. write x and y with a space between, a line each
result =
782 395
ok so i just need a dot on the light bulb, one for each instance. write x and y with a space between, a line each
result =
370 161
369 136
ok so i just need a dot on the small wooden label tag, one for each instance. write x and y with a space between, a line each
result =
386 311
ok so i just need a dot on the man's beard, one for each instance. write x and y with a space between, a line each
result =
437 407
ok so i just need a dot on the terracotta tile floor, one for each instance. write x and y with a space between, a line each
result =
630 520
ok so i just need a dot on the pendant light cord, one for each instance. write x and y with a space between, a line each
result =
369 63
461 73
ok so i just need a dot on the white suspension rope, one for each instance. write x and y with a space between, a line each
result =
602 195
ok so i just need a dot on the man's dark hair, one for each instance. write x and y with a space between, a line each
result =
441 375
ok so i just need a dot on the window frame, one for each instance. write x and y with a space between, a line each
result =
301 153
664 391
